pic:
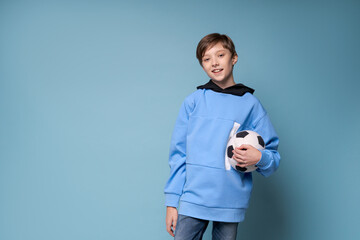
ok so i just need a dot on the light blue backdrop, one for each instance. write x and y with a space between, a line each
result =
89 94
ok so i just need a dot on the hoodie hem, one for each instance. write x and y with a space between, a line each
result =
212 213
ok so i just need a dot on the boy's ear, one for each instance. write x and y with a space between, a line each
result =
234 59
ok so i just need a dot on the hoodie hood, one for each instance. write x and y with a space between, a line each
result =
237 89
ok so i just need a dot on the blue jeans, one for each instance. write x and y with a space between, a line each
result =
189 228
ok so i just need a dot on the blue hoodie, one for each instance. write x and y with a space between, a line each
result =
199 184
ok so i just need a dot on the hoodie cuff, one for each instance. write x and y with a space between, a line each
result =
172 200
264 160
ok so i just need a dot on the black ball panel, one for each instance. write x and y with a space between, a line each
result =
229 151
242 134
242 169
261 141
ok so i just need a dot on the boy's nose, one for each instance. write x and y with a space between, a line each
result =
215 63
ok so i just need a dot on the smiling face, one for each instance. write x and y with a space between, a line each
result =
218 64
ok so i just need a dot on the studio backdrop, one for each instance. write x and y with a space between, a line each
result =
90 91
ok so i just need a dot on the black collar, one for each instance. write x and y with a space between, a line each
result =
237 89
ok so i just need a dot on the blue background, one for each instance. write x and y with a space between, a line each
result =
89 94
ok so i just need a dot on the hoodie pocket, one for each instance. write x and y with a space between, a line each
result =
207 139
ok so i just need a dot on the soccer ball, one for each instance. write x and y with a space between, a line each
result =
243 137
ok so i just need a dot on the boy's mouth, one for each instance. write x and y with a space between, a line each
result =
217 70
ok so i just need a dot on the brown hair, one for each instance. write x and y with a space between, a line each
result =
212 39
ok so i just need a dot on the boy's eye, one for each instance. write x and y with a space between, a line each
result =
221 55
206 59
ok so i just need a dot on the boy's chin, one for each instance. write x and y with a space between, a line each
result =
218 80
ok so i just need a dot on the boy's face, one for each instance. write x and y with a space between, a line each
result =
218 64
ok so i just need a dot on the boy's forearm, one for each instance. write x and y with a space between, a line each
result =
270 157
177 158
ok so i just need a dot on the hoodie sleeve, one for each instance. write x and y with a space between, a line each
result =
177 156
270 158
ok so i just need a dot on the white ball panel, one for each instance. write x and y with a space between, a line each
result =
250 139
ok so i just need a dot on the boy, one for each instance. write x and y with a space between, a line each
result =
208 191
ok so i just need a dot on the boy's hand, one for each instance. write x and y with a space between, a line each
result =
246 155
171 220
